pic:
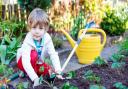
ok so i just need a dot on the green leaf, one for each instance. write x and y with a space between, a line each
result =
117 57
90 76
2 68
26 85
71 74
3 53
89 73
99 61
117 65
119 85
96 87
7 38
20 86
68 86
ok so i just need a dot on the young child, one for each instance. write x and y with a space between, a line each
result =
37 43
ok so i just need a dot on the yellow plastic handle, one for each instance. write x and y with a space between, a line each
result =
95 30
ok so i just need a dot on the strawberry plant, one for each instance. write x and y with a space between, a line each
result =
99 61
96 87
118 61
67 85
90 76
119 85
71 75
124 47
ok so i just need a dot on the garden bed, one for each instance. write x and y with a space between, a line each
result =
108 77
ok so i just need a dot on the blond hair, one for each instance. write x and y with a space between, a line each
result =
38 17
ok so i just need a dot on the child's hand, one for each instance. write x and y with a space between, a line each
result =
60 77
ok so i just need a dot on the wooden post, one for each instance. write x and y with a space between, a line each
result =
25 16
6 11
0 8
19 13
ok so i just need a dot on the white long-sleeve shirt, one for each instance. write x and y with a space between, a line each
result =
48 48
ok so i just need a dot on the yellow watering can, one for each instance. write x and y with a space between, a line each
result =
90 46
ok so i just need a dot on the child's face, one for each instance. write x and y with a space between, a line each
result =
37 32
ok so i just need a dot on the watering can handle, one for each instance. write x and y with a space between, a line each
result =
95 30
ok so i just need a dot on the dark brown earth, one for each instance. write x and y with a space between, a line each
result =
108 76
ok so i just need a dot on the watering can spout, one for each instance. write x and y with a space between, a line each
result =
70 39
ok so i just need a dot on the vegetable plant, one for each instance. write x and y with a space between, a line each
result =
79 23
124 47
99 61
67 85
5 71
119 85
71 75
90 76
112 24
96 87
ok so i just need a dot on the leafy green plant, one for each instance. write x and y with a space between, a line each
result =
90 76
117 61
8 52
99 61
79 23
112 24
96 87
124 47
46 83
31 4
117 57
71 75
23 85
67 85
117 65
57 41
11 29
5 71
119 85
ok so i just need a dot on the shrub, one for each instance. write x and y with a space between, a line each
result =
112 24
57 41
31 4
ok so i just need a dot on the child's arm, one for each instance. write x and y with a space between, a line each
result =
26 62
53 54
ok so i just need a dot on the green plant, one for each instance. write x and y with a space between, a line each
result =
96 87
31 4
5 71
67 85
117 61
46 83
8 52
99 61
11 28
23 85
71 74
79 23
57 41
117 65
90 76
117 57
112 24
119 85
124 47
